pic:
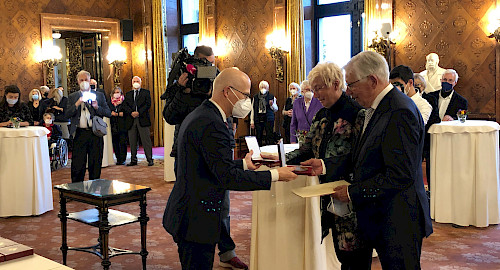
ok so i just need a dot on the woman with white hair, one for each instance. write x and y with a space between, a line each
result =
262 115
294 90
332 135
304 109
55 103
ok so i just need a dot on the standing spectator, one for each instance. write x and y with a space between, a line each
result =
294 90
304 110
136 108
262 116
55 104
34 104
86 145
118 126
45 92
11 106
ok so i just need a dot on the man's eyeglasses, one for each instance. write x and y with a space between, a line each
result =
355 82
246 94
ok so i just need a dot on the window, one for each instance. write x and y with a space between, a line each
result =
333 30
189 29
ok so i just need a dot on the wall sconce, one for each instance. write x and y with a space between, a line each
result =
494 24
276 44
117 57
50 57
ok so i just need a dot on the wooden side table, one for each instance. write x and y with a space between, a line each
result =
103 194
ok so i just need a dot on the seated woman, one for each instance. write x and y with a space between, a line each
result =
304 110
11 107
294 90
54 130
55 104
34 105
118 127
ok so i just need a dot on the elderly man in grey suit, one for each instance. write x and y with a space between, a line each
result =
82 106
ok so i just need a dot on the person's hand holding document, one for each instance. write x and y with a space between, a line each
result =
248 159
267 155
316 164
286 174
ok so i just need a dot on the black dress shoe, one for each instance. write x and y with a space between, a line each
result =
132 164
120 163
151 163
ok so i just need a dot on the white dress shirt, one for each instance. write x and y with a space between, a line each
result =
423 106
443 104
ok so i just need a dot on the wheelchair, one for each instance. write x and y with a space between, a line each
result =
58 153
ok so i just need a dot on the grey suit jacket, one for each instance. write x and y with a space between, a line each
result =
73 113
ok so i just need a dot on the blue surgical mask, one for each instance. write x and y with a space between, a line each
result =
12 101
446 86
35 97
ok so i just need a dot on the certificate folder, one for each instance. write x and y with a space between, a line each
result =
318 190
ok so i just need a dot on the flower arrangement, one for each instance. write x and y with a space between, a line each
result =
16 121
462 115
301 135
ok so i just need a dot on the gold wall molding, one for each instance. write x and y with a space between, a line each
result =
109 28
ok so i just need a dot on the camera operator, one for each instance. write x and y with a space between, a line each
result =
182 100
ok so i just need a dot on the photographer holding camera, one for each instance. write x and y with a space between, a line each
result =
193 84
86 145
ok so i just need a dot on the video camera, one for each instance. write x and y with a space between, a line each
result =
201 72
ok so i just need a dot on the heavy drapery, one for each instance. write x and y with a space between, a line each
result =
296 61
159 70
376 13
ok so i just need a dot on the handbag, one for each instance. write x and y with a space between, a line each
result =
99 127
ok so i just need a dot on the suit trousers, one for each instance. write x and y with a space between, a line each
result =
119 139
86 147
196 256
145 139
268 126
226 244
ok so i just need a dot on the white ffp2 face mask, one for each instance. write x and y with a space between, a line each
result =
293 92
84 85
309 95
242 107
136 85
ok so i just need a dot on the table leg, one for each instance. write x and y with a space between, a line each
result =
64 220
143 219
104 236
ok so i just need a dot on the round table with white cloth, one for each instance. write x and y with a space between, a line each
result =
465 173
25 180
107 153
286 229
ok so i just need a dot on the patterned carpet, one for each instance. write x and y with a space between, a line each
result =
448 248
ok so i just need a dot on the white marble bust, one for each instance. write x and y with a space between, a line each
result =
432 73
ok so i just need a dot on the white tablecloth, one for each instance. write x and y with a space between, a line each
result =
286 229
25 180
107 153
465 173
168 141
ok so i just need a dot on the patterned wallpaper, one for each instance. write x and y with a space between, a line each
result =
454 30
242 26
20 35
